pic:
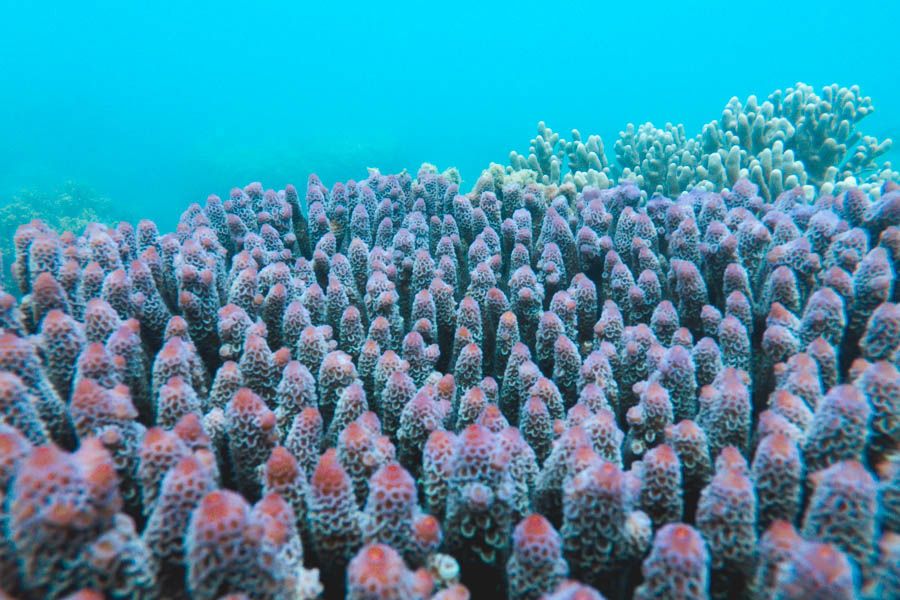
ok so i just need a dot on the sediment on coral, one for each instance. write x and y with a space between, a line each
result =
552 385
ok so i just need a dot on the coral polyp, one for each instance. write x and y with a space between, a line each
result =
670 376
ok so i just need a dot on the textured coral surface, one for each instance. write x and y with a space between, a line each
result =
674 377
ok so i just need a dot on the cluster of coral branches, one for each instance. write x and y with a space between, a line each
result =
394 389
795 138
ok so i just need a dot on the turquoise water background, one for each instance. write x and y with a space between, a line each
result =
155 105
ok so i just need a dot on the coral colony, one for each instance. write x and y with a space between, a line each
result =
674 377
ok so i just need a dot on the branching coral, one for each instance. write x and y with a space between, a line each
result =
414 390
794 138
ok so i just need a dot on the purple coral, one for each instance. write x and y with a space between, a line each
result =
678 565
561 346
536 566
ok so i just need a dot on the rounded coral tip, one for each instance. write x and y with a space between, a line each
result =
329 476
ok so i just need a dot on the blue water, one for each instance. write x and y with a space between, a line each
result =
157 104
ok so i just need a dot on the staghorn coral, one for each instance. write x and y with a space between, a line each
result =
678 565
181 491
479 512
333 514
726 517
661 490
231 549
378 572
63 514
842 512
536 565
391 513
601 532
777 474
815 570
795 137
252 434
548 349
776 545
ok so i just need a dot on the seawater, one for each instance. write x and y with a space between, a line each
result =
154 105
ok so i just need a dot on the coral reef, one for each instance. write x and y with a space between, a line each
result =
71 206
672 378
796 137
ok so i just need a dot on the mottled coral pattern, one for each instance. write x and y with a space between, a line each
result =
675 378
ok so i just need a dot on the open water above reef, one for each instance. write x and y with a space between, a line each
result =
228 356
156 104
